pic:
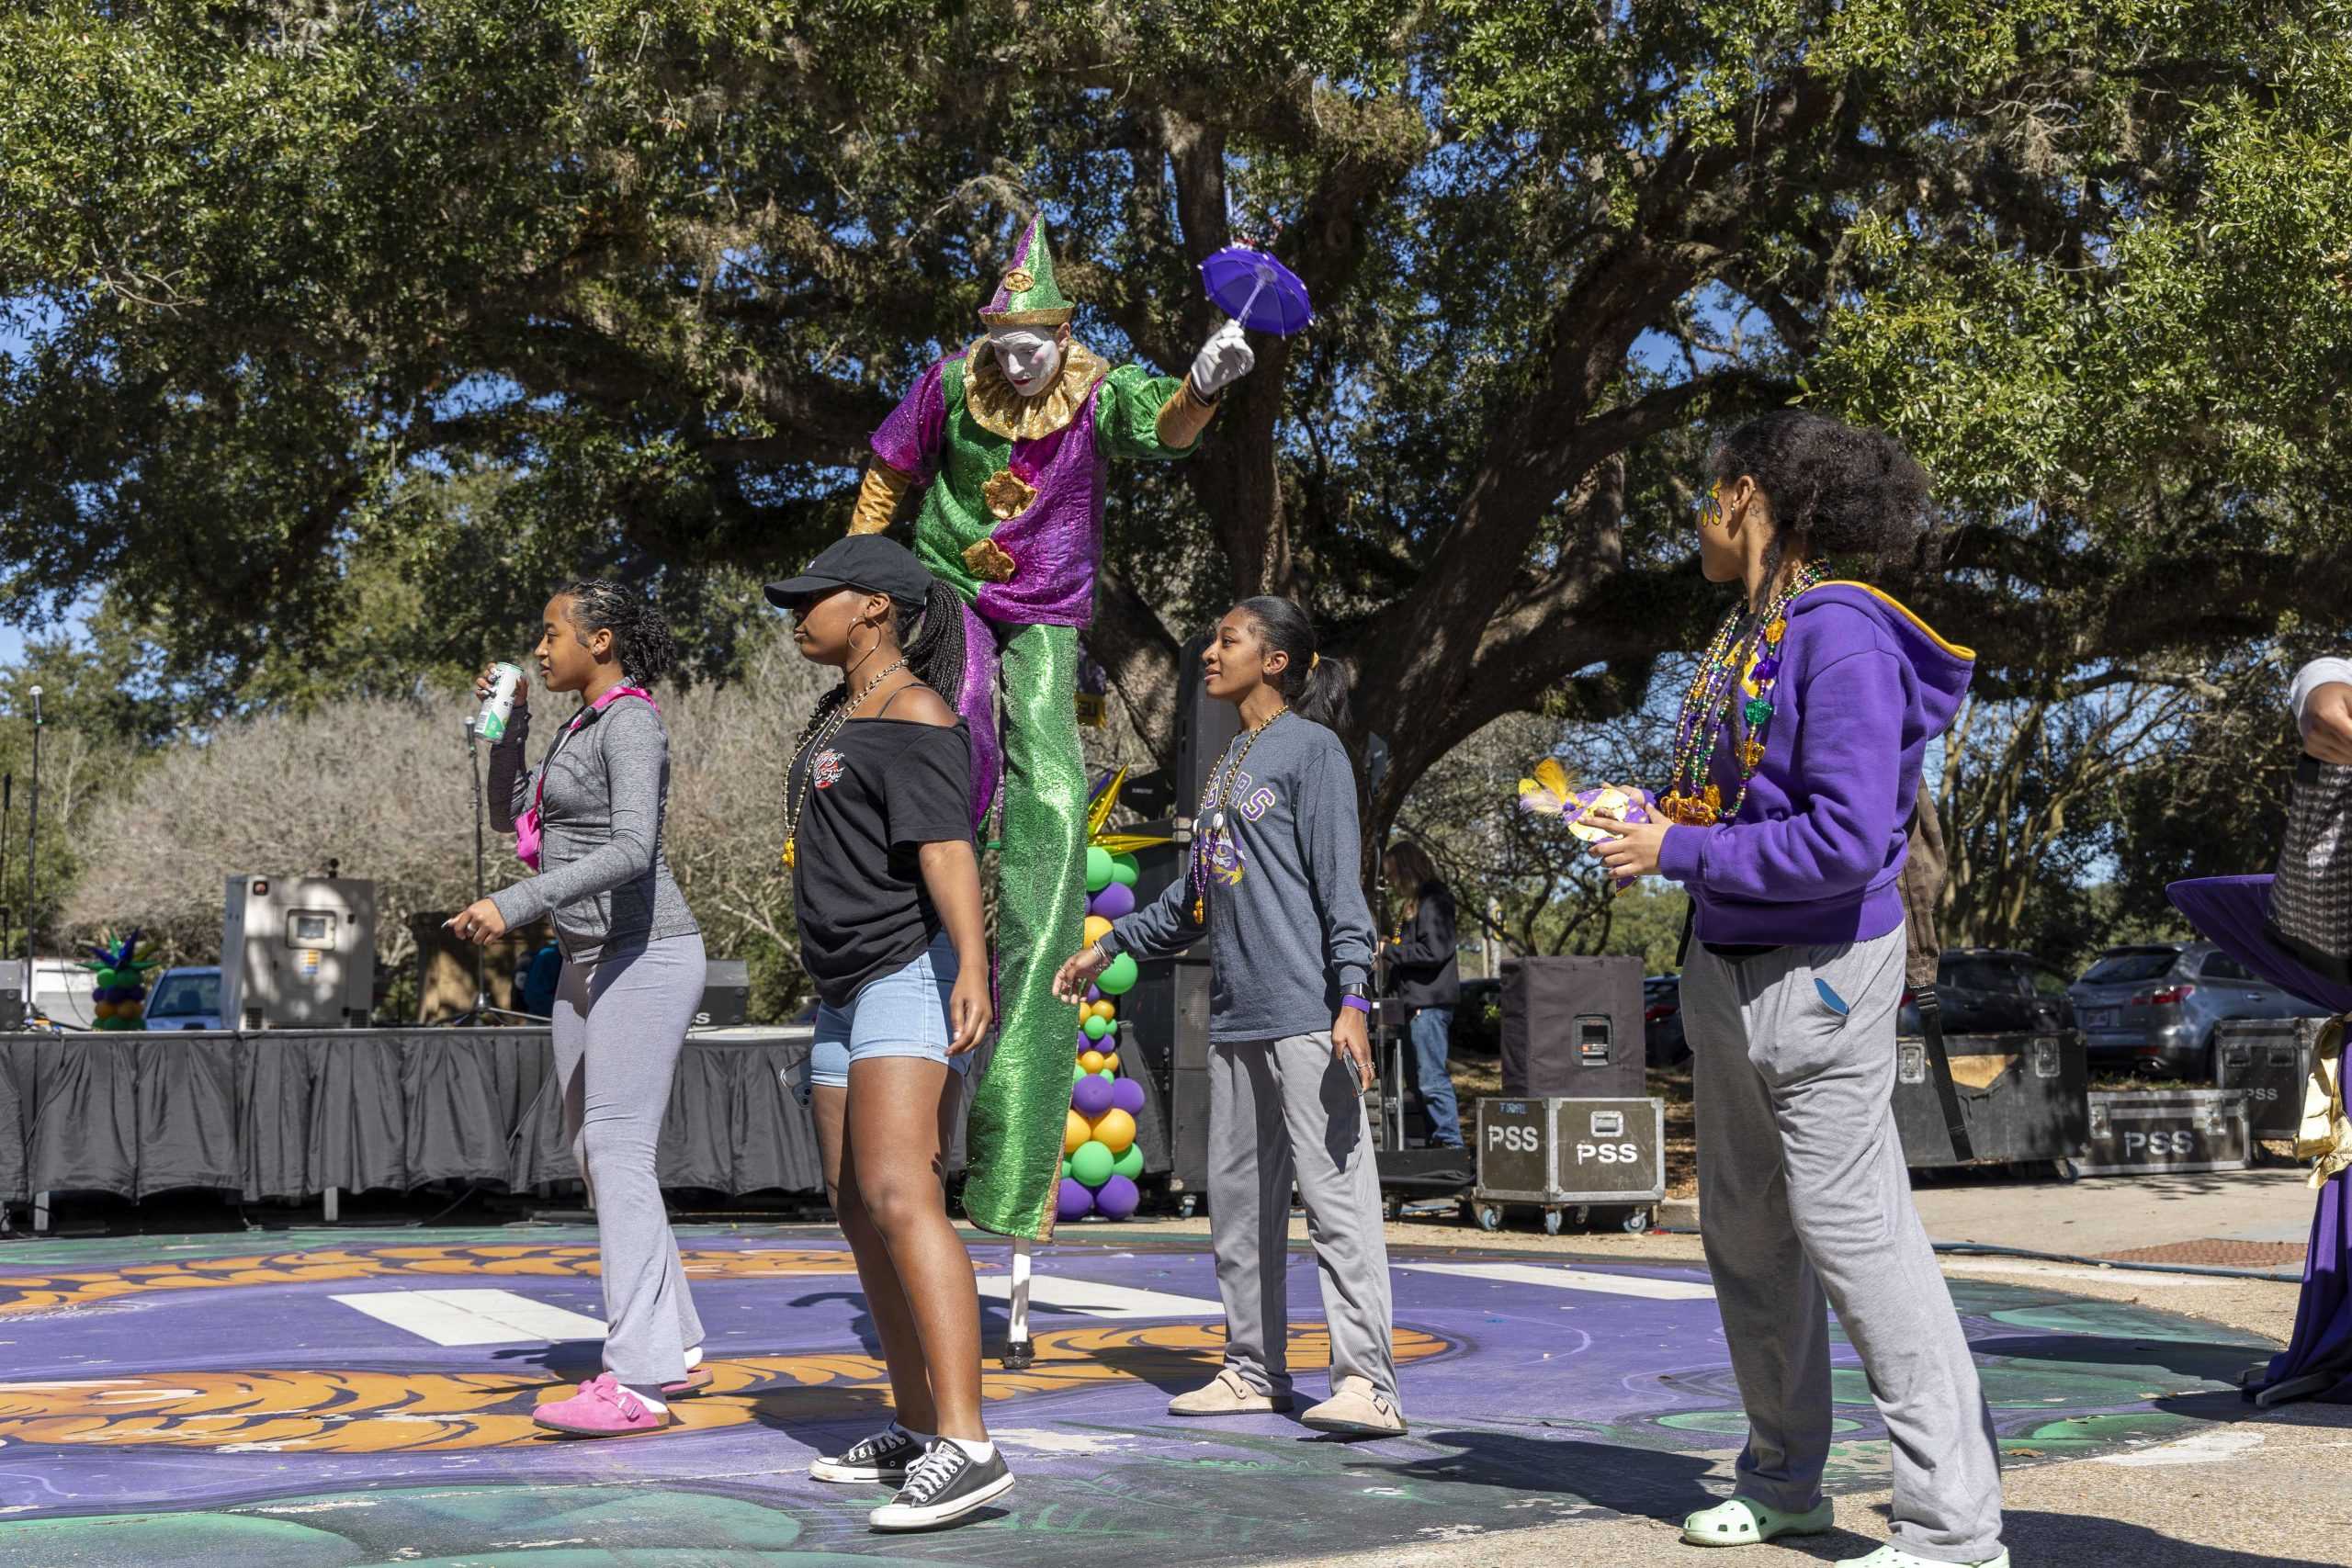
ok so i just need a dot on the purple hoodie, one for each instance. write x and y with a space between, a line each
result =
1816 850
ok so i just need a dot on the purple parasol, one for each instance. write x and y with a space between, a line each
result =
1255 289
2230 912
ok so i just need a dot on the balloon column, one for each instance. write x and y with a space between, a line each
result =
119 999
1101 1158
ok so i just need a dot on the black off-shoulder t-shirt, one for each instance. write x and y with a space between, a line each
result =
874 795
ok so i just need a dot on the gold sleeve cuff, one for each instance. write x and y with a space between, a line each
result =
1183 416
877 498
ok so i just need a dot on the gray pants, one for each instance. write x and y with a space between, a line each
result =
620 1023
1276 1106
1805 1205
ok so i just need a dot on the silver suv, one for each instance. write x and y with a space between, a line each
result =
2152 1009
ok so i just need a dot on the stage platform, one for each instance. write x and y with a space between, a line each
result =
322 1398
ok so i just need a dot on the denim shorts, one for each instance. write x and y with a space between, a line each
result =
903 1013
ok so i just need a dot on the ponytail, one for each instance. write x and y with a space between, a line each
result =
641 639
1314 689
934 649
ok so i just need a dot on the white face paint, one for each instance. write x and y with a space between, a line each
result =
1029 358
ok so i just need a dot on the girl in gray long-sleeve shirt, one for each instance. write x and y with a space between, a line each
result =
1275 879
632 977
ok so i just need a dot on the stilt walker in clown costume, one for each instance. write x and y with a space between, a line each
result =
1010 441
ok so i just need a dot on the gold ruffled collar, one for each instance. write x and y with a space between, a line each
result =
996 408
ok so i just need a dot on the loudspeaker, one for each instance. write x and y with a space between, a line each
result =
726 994
1572 1026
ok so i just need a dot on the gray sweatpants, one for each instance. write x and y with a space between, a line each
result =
620 1023
1277 1107
1805 1205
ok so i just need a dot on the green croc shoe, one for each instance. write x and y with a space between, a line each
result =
1896 1557
1746 1522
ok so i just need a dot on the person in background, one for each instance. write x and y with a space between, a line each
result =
1275 882
1425 977
540 978
2322 704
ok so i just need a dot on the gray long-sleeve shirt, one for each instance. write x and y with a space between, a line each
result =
601 872
1293 927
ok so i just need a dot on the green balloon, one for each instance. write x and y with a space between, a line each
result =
1120 977
1097 1027
1130 1148
1130 1164
1125 870
1092 1164
1076 1072
1109 1075
1098 868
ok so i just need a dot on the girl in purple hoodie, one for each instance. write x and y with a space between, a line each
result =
1787 820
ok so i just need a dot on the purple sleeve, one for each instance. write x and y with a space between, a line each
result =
910 438
1849 761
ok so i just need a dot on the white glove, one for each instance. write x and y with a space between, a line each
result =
1223 360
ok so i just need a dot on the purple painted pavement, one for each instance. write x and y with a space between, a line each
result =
207 1402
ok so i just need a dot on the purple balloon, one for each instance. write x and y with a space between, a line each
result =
1093 993
1127 1095
1116 902
1091 1096
1075 1202
1118 1198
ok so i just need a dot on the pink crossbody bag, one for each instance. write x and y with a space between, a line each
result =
526 827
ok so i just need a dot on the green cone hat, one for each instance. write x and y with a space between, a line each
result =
1026 295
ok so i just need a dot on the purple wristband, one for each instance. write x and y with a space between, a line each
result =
1356 1002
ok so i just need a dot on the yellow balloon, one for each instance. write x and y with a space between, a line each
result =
101 1010
1074 1131
1111 1060
1091 1060
1105 1011
1116 1130
1097 928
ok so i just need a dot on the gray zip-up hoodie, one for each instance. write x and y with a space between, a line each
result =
1287 921
601 872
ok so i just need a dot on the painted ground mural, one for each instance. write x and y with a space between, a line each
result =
342 1398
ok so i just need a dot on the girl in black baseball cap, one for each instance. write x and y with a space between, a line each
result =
886 888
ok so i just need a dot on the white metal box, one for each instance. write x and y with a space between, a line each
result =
298 953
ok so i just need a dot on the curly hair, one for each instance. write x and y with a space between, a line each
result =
1834 489
641 638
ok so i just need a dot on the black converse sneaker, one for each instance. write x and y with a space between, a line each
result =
945 1487
883 1458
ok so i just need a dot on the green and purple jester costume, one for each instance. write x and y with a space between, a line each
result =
1010 516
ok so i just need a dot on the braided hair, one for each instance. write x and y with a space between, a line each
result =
641 638
932 638
1836 489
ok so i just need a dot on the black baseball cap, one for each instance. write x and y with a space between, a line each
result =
866 561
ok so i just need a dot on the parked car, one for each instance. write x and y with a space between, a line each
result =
2152 1009
185 999
1662 1039
1992 990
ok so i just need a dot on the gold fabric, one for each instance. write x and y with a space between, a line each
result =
877 498
996 408
2325 1136
1008 494
989 561
1183 416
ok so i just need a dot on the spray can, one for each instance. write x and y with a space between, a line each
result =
498 707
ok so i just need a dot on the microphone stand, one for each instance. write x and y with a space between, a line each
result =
32 867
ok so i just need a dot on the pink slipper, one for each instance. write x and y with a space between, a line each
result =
694 1382
601 1408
